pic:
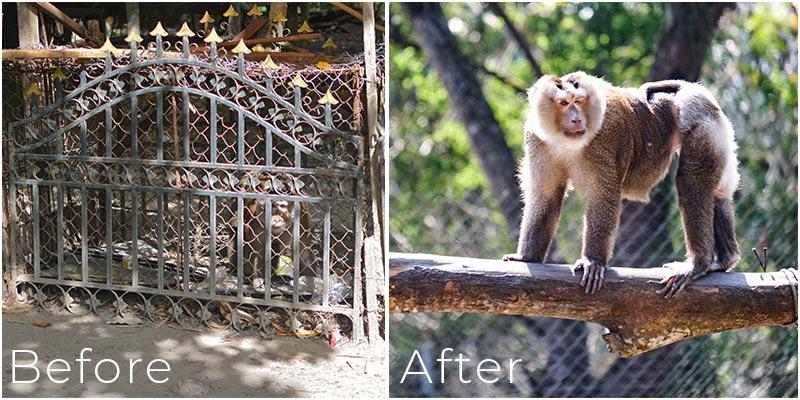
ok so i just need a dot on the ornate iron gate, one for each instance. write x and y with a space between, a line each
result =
191 187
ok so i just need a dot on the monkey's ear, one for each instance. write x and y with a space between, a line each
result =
547 85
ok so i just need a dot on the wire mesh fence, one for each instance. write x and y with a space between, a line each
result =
569 358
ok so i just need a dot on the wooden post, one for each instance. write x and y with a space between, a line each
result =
375 263
28 25
132 9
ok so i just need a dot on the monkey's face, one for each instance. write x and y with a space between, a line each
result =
569 112
565 112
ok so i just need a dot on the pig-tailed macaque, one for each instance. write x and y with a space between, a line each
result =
614 143
281 231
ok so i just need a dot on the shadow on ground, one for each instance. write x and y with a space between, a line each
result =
203 364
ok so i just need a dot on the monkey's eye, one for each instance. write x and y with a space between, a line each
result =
563 102
577 101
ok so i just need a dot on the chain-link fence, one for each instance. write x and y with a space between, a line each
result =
566 358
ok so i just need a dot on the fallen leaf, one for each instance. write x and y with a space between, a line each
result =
41 323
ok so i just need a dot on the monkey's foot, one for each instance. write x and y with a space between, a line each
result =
683 273
514 257
593 274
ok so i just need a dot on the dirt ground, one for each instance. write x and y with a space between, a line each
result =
203 364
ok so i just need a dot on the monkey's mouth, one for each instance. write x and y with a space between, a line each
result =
574 134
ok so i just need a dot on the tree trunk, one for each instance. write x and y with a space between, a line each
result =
638 318
467 99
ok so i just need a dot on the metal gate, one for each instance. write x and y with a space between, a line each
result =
190 187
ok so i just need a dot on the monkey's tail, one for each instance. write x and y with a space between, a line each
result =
668 86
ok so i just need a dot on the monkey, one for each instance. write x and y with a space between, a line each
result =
281 233
612 143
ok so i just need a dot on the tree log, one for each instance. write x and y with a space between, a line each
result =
8 54
638 318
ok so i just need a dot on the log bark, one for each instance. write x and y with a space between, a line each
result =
9 54
638 318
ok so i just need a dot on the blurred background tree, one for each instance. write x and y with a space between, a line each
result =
448 190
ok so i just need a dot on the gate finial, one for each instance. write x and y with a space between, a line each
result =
255 11
185 31
159 31
268 64
298 81
133 37
207 19
241 48
230 12
305 28
212 37
107 46
329 44
328 99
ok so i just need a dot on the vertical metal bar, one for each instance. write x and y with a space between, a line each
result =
268 147
298 98
296 254
159 50
160 125
268 249
134 127
109 132
83 138
240 139
185 47
107 66
109 237
84 238
185 126
36 243
239 246
212 237
134 240
160 237
186 241
134 51
328 116
213 54
60 230
326 256
213 128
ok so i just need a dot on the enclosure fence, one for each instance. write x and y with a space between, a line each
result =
565 358
187 184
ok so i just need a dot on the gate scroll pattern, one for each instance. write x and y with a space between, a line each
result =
190 186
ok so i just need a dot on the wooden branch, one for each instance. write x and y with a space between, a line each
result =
355 13
639 319
249 30
64 19
287 38
517 36
97 53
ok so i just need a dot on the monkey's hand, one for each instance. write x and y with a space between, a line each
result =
593 274
683 273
